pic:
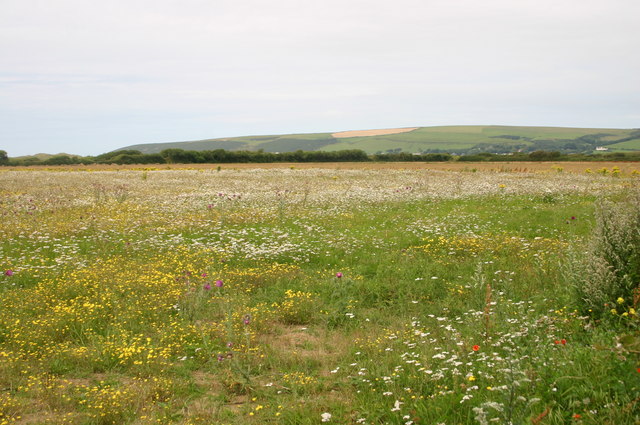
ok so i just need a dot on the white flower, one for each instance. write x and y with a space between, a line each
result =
396 406
326 417
465 398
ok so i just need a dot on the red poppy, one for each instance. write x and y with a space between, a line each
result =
476 347
577 416
563 341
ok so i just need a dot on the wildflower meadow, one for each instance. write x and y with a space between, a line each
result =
309 296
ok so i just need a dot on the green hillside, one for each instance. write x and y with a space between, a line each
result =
453 139
630 145
43 156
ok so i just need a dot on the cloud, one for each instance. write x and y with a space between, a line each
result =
248 67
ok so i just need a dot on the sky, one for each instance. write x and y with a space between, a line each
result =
87 77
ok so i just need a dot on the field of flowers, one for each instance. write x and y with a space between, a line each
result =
307 296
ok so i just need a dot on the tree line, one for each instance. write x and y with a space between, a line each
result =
222 156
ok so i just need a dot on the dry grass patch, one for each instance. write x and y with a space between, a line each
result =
302 344
498 167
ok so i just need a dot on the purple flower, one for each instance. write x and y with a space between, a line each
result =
230 344
339 275
219 283
573 217
220 357
203 275
8 273
246 319
207 286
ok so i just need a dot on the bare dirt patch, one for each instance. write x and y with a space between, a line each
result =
364 133
296 342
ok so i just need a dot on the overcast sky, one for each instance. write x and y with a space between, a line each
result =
87 77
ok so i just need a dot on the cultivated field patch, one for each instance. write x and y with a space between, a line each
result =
363 133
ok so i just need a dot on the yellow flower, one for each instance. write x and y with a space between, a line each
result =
620 300
632 311
613 311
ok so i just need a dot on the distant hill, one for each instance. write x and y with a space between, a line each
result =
43 156
453 139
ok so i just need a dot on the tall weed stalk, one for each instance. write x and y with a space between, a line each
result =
607 274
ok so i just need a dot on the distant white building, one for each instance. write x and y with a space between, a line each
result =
601 148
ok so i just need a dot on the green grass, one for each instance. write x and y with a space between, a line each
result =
631 145
453 303
456 138
270 143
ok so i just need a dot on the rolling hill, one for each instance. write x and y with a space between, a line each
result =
453 139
